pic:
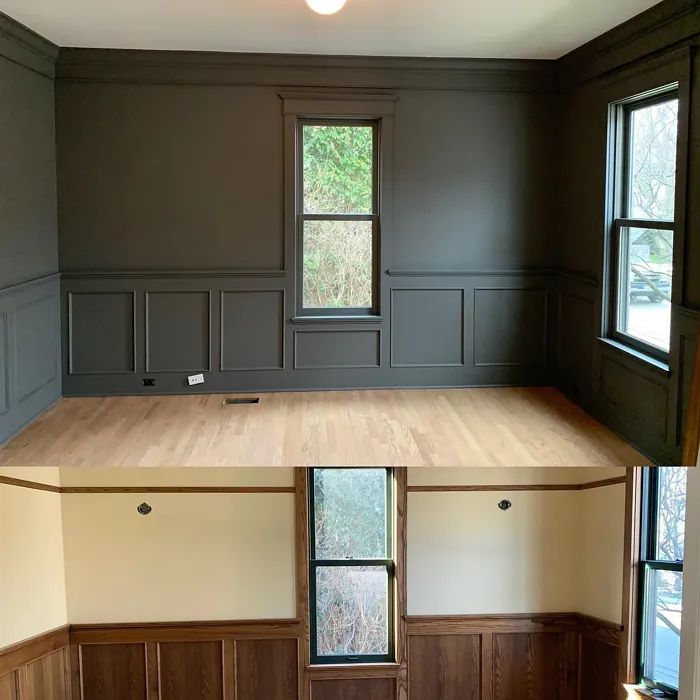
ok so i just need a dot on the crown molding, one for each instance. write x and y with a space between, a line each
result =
302 70
665 25
21 45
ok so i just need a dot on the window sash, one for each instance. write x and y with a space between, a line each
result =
619 288
302 216
647 563
622 121
388 563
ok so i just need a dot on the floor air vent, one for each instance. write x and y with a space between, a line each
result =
235 402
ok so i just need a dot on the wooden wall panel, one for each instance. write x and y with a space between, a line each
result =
354 689
191 670
526 666
599 669
8 686
47 678
266 669
112 671
444 667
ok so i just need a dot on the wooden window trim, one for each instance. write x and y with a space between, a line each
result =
397 669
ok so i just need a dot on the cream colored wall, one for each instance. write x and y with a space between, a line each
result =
195 557
602 538
553 551
32 585
466 556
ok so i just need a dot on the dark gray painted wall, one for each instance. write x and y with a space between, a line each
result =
637 398
172 227
29 289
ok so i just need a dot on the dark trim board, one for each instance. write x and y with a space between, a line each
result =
280 70
253 345
458 488
21 45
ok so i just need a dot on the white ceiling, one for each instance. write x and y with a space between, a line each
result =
465 28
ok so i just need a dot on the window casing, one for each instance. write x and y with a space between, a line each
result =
369 570
645 154
661 576
338 241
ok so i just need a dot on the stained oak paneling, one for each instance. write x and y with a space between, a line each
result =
47 678
8 686
354 689
444 667
191 670
266 669
527 666
111 671
599 669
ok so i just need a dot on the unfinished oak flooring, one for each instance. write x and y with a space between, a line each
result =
416 427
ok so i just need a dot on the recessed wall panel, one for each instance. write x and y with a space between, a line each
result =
177 331
101 332
4 369
444 666
266 669
252 330
510 327
111 671
427 327
332 349
354 689
191 670
37 329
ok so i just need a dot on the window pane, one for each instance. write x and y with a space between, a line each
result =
352 610
338 169
663 626
350 514
337 264
652 184
671 513
644 310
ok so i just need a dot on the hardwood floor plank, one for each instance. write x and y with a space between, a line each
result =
418 427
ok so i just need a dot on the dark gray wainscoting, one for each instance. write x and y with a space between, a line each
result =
30 379
641 400
452 329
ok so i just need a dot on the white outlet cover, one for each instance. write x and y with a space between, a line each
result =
195 379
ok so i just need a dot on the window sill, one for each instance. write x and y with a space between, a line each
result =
637 692
651 362
389 669
336 319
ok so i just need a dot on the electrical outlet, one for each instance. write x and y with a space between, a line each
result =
195 379
149 381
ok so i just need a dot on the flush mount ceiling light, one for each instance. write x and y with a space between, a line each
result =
326 7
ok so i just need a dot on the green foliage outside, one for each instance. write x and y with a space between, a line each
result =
337 175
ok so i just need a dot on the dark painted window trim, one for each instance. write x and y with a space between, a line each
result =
616 208
634 354
351 106
366 318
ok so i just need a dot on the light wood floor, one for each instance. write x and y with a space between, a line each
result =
419 427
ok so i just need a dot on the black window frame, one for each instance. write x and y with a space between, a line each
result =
389 563
374 216
648 562
622 113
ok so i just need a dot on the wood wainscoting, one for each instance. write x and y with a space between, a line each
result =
562 656
38 668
